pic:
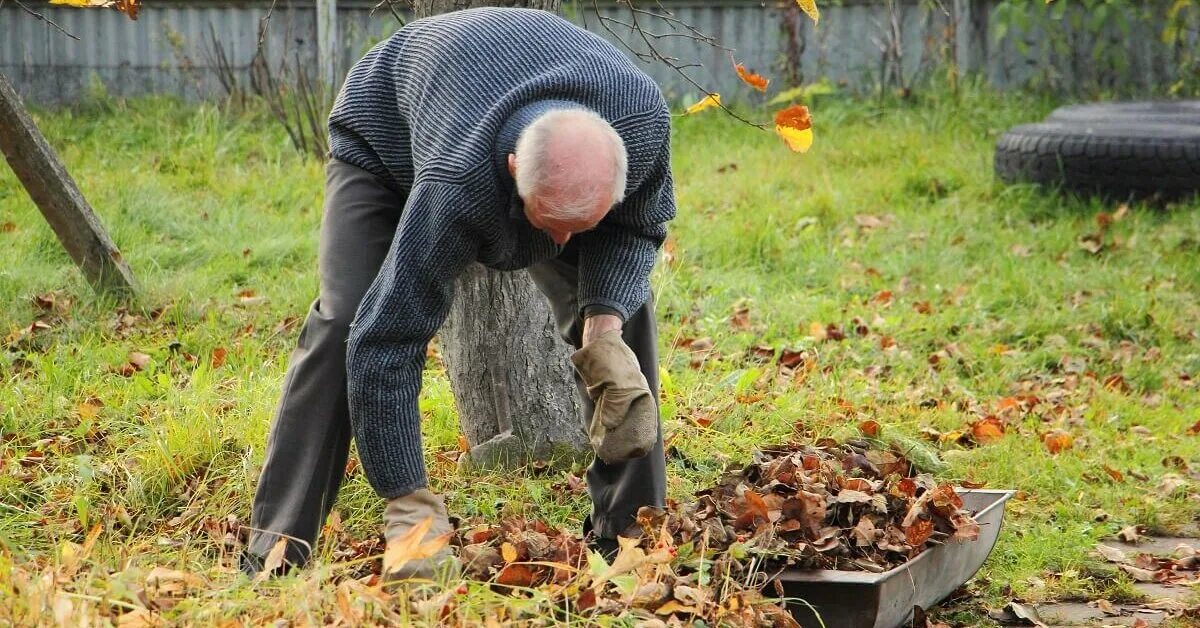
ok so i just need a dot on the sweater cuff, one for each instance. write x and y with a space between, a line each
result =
598 310
595 306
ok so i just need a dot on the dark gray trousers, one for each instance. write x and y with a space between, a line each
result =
309 440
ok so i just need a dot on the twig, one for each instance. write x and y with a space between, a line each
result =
262 24
679 70
45 19
391 7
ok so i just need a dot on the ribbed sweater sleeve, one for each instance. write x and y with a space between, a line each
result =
616 258
400 313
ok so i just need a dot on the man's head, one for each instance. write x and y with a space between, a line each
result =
570 166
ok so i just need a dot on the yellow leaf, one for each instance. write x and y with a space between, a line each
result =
508 552
810 9
83 3
799 140
794 125
708 102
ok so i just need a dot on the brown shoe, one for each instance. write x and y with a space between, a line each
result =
418 530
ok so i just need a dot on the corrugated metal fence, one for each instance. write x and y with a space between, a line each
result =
175 45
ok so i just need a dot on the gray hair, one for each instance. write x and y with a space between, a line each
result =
532 153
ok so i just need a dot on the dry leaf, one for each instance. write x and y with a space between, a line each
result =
756 81
1129 534
794 125
273 561
508 552
988 430
810 9
708 102
1111 554
409 546
516 575
1057 441
218 357
139 360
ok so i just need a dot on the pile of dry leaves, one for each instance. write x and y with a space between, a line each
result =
827 506
830 506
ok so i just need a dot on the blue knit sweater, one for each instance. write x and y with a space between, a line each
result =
434 111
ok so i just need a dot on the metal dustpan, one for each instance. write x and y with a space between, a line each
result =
855 599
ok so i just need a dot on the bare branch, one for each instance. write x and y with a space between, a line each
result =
262 24
679 68
391 5
44 19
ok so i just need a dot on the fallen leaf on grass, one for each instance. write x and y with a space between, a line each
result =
987 430
89 408
1016 613
1111 554
740 320
1138 574
1092 243
1058 441
171 582
273 561
218 357
1116 476
516 575
1130 534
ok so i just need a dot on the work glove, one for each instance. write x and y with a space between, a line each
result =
624 424
408 557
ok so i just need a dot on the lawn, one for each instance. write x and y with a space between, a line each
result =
957 298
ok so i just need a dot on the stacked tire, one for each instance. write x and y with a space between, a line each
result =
1131 149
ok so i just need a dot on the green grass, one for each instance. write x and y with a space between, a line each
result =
208 204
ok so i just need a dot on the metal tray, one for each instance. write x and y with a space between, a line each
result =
855 599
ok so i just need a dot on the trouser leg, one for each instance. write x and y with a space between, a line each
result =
309 439
617 490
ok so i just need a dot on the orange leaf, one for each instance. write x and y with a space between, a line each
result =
919 532
794 125
1058 440
869 428
987 430
757 81
515 575
218 357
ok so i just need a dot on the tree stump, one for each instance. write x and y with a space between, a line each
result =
510 372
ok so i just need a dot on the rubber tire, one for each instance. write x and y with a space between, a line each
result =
1147 112
1111 159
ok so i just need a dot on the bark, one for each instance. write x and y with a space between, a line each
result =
54 192
509 371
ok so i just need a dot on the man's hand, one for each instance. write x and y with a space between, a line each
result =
624 424
593 326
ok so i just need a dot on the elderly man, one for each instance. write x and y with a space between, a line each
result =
508 137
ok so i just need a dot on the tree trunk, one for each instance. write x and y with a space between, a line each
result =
508 369
59 199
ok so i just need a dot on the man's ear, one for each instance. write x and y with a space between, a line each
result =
512 165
